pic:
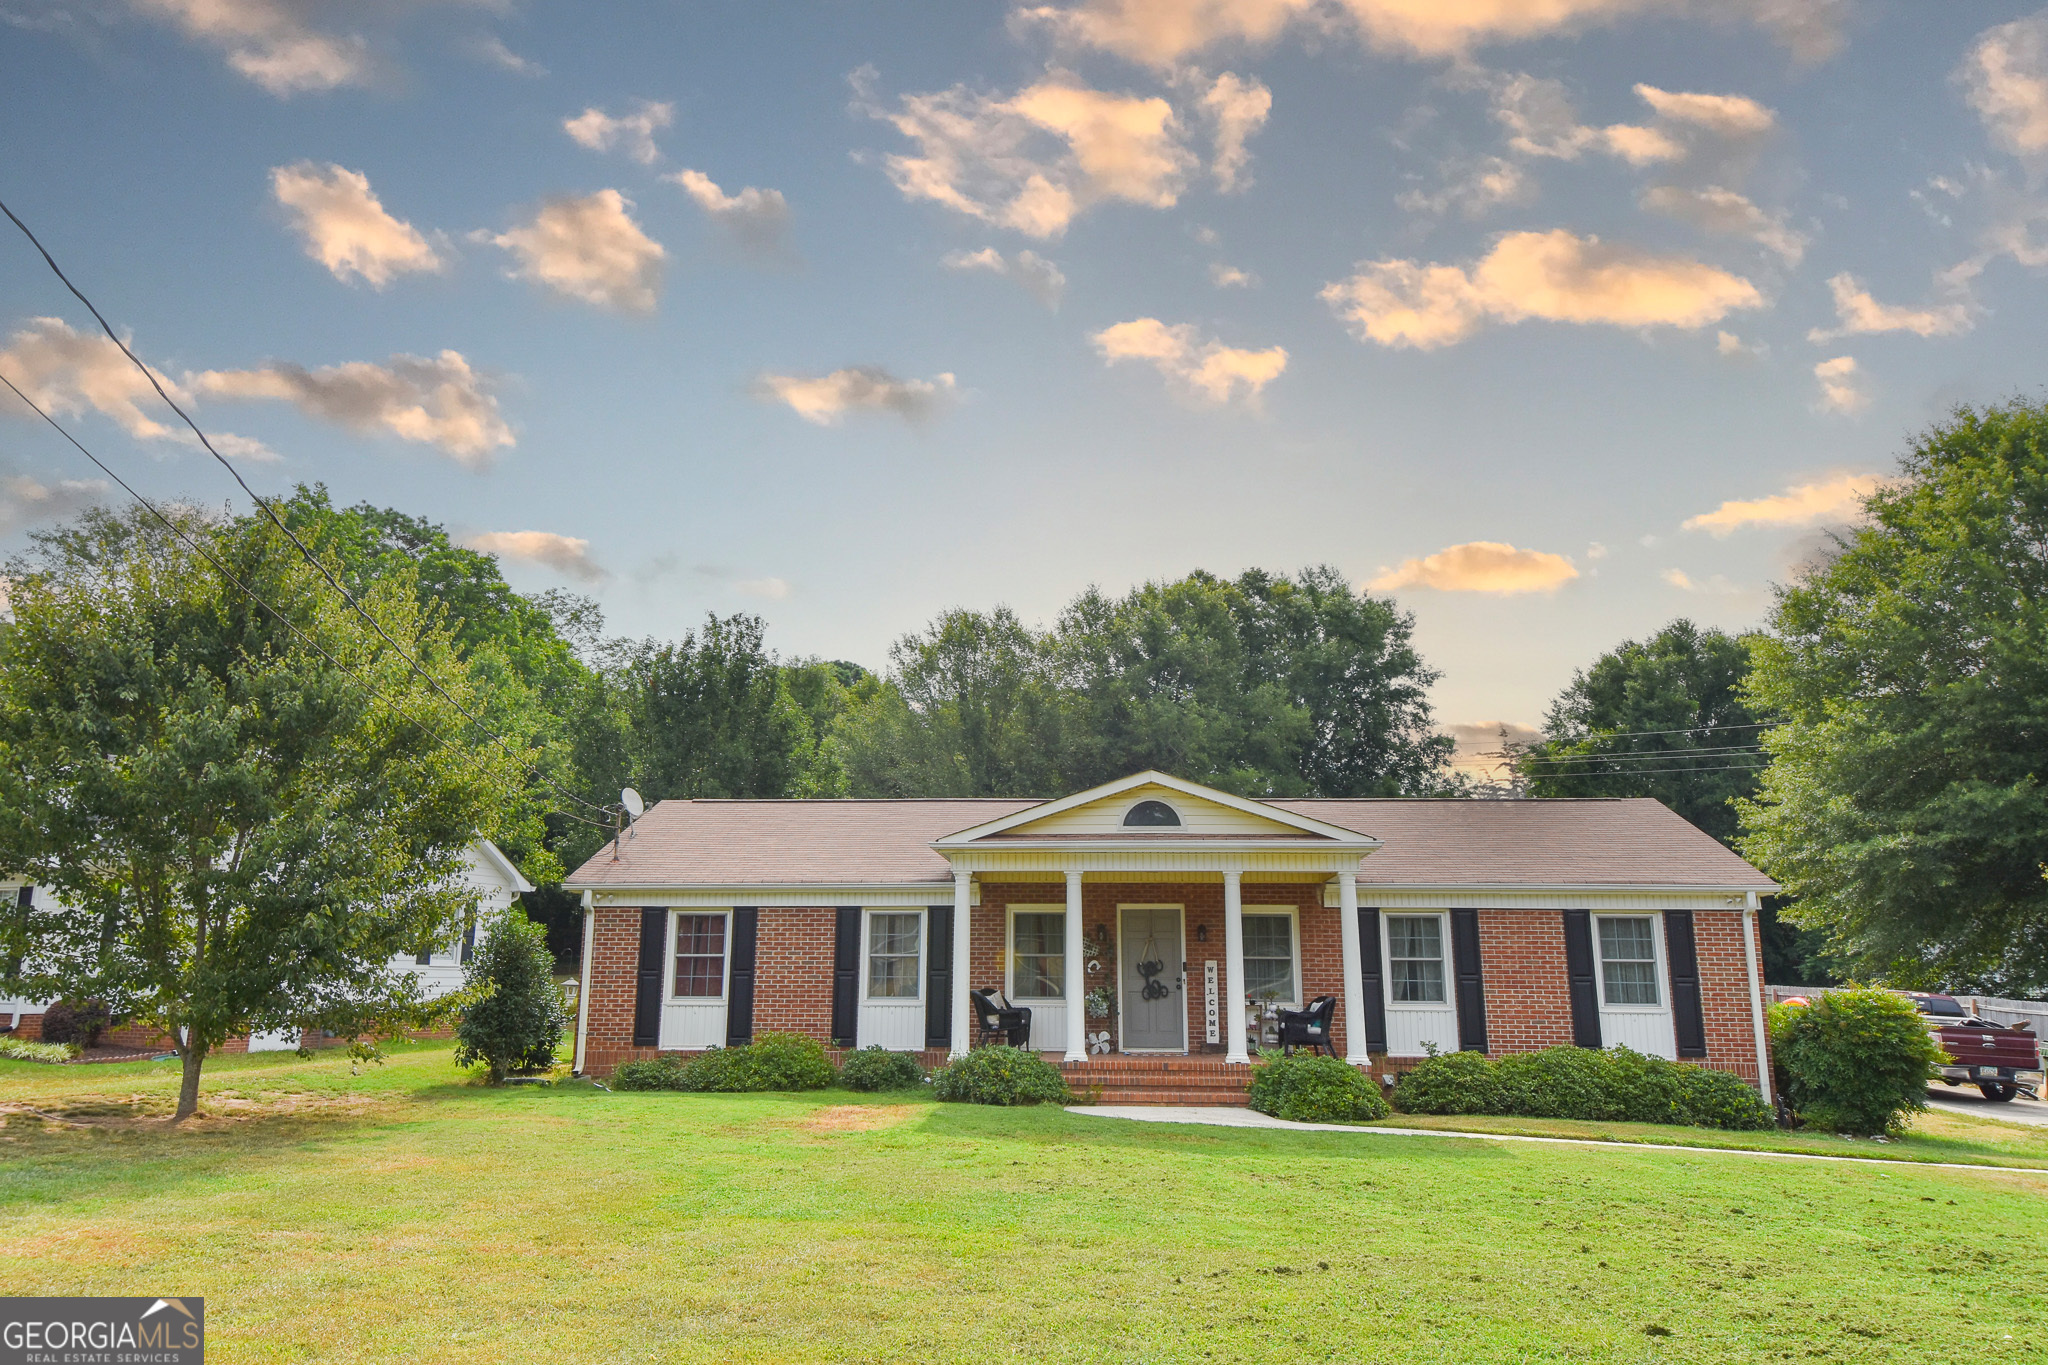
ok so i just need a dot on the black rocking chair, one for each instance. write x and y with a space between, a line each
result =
1001 1023
1309 1027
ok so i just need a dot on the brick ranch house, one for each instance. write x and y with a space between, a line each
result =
1147 922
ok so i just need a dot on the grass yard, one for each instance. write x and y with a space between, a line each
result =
405 1214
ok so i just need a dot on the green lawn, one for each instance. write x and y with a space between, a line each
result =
405 1214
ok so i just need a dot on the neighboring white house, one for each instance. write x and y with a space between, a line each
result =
485 869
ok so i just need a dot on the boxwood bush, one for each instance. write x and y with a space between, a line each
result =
1316 1090
1854 1061
773 1061
877 1068
1610 1084
1000 1075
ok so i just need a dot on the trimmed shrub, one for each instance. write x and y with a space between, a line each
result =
1854 1061
28 1050
1449 1083
1316 1090
877 1068
1612 1085
517 1020
75 1021
1000 1075
650 1073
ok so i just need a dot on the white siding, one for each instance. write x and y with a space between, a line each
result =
1197 816
1411 1024
690 1023
1647 1029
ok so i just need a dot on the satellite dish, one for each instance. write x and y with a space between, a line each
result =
630 799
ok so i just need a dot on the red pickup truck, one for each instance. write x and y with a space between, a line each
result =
1998 1059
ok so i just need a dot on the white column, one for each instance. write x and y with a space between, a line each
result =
582 989
1077 977
1233 966
963 922
1354 971
1756 998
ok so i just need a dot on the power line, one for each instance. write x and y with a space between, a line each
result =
1654 772
1688 730
278 521
1641 755
250 592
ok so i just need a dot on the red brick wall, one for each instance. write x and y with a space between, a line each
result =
1528 999
614 964
1724 991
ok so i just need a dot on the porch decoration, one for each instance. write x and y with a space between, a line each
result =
1155 989
1098 1043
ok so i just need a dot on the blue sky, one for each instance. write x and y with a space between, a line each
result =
845 313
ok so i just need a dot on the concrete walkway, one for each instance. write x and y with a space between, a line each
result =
1967 1101
1249 1118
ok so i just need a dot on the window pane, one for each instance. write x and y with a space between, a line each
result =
1418 981
1630 983
1268 936
1627 940
700 956
1269 978
892 956
1041 968
1415 936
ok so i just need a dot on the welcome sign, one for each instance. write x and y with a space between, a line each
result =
110 1331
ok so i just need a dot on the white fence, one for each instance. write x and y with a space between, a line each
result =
2032 1013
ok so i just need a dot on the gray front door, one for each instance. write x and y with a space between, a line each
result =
1155 1004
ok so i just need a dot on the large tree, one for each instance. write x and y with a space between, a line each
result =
1905 804
242 820
1662 717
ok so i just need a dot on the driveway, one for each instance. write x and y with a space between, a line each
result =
1965 1100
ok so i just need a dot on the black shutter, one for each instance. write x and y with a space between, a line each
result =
1688 1019
846 977
739 994
647 988
26 897
1471 985
1578 972
938 976
1375 980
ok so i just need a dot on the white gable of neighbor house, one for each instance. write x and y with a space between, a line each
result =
497 884
1198 815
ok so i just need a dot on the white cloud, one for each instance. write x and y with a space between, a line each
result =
270 41
1035 160
1712 208
824 399
631 133
1839 389
1473 189
1835 498
1165 33
1861 314
1230 277
1488 566
589 249
2005 78
1040 277
565 554
1540 121
440 402
1729 344
1555 276
1237 108
1729 116
1596 551
1718 585
491 50
345 226
25 501
773 589
756 217
1207 370
66 372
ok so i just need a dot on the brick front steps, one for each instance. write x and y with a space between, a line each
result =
1157 1080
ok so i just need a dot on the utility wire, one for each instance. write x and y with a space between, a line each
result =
1688 730
249 592
1641 755
278 521
1654 772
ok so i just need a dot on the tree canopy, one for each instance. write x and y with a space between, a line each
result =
1905 806
242 820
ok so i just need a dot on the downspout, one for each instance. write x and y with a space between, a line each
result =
583 987
1756 998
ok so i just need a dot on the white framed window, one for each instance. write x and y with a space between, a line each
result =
1629 972
1038 953
1415 960
698 967
895 954
1272 955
